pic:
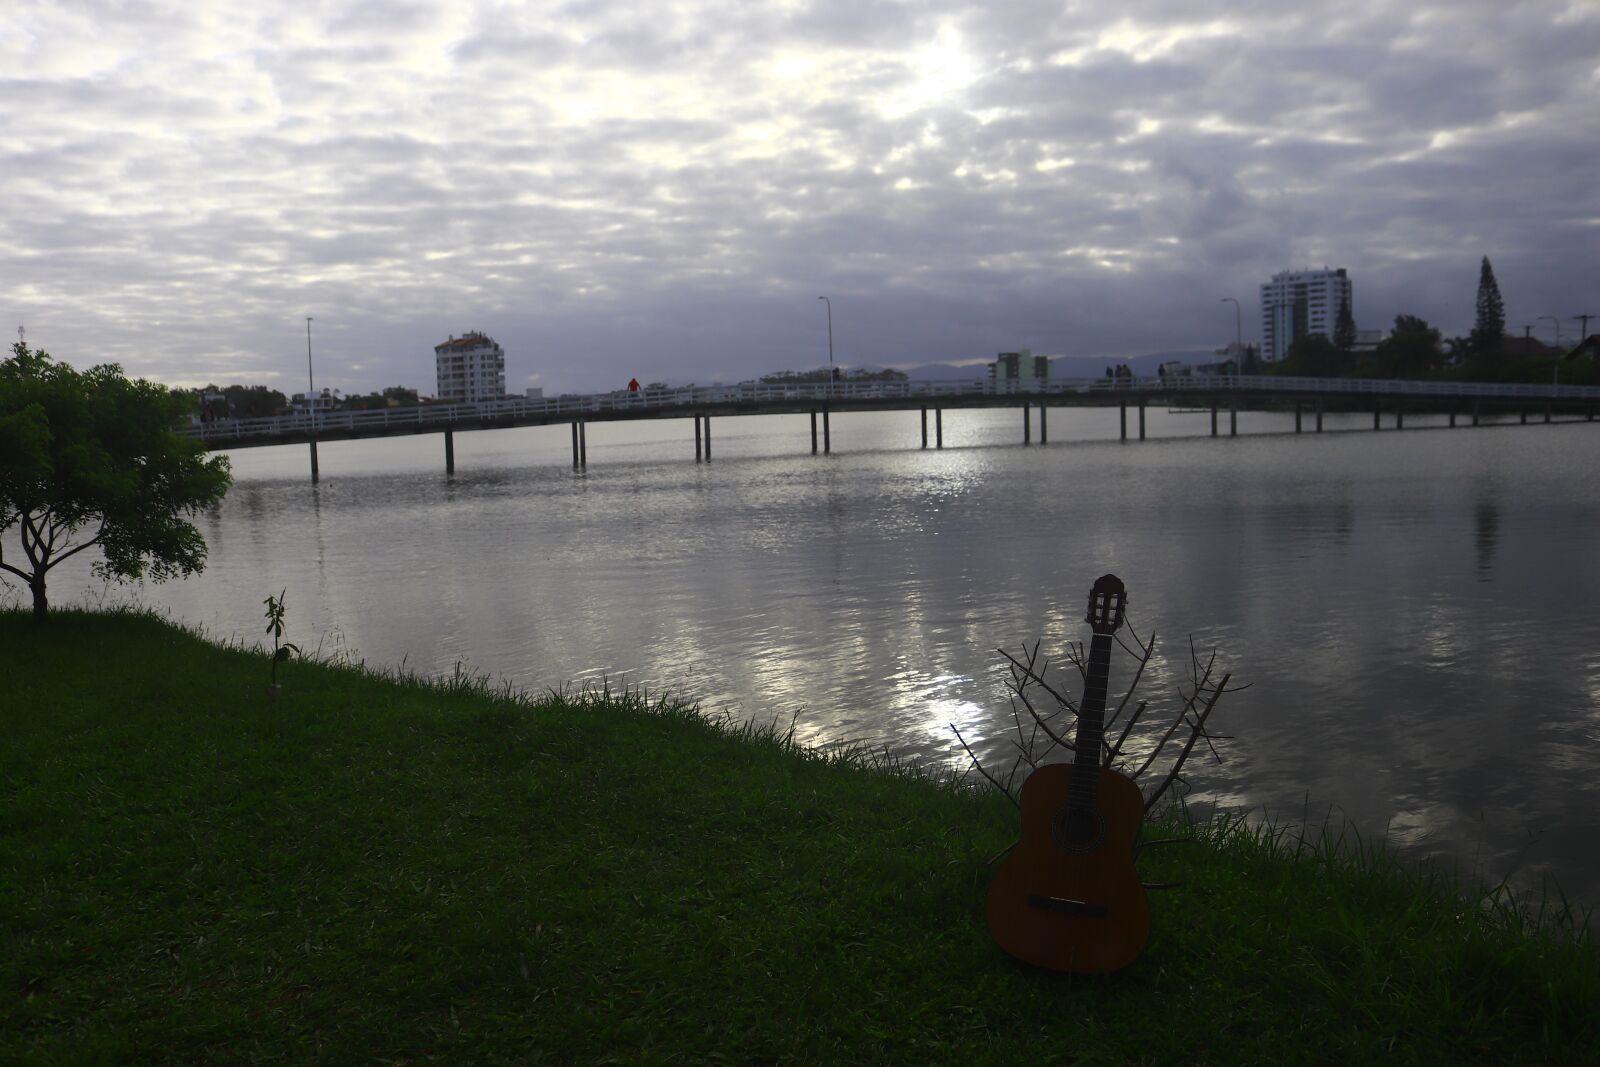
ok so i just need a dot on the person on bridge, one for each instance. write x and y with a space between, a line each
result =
633 385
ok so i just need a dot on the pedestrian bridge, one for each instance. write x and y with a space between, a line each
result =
1218 393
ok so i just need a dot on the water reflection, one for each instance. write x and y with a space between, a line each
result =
866 590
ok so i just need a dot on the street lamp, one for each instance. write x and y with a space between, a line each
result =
829 304
1557 321
1555 368
1238 330
311 403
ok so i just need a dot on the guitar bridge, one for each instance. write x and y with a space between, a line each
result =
1068 905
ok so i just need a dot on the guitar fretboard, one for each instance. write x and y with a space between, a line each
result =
1091 724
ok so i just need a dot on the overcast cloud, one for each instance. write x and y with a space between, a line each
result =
663 190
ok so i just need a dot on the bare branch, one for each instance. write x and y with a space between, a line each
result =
1143 656
1127 728
975 762
1197 731
1188 706
1036 678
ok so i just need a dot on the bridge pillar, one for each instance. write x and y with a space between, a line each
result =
1213 418
697 437
313 462
1399 417
1547 413
1297 416
924 427
814 433
938 427
1027 427
1452 418
1141 418
1233 419
1474 413
1044 431
1377 412
583 443
1524 414
827 438
449 452
1122 414
1319 420
707 420
574 444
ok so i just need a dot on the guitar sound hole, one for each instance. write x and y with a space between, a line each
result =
1078 830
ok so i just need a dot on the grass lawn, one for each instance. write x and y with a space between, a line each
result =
378 869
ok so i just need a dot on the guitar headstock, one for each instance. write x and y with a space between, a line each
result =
1106 601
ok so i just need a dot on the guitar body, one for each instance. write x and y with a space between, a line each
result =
1068 897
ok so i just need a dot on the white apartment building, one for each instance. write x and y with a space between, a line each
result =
1301 302
470 368
1022 368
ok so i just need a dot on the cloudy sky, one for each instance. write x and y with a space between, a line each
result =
664 189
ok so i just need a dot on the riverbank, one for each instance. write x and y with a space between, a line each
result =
373 868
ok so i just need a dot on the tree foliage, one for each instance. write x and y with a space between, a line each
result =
1314 356
1410 351
1489 327
90 459
1344 330
238 401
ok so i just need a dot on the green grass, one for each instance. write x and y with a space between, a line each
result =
381 869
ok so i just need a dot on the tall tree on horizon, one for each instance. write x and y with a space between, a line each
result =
1344 327
1489 328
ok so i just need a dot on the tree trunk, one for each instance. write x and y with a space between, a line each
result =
41 604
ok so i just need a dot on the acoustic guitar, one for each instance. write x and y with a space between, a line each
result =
1067 897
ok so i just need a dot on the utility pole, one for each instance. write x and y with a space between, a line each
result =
1583 332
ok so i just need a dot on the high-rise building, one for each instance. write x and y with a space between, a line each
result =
471 367
1301 302
1022 367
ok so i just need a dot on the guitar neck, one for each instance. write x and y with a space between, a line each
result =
1092 715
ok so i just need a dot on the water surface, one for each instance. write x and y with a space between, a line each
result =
1412 610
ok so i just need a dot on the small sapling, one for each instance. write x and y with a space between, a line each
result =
281 649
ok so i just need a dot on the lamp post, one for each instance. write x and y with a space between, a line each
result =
1583 328
1555 368
829 304
1238 330
311 402
1557 321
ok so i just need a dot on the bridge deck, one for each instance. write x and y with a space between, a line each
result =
1216 392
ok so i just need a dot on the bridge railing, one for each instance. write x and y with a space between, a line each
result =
701 396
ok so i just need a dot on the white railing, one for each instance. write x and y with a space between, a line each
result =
700 396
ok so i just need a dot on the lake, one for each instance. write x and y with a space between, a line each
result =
1413 610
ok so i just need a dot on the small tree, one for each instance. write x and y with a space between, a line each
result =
1489 328
90 459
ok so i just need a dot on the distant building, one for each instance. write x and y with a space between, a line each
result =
470 368
535 392
1367 340
1021 366
323 401
1297 303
